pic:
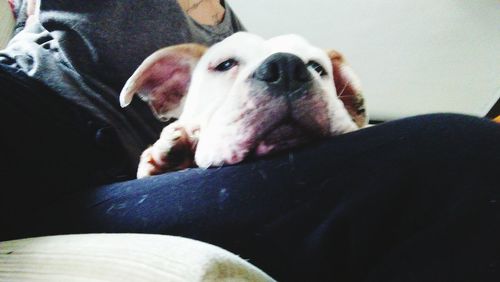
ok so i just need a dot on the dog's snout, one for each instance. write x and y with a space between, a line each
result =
284 71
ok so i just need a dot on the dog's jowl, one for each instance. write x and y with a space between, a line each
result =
243 96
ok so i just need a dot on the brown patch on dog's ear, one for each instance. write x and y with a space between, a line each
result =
163 79
348 88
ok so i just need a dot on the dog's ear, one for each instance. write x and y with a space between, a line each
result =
348 88
163 79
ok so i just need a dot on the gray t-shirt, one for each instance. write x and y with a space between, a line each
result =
86 50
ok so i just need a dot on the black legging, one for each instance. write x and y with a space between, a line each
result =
409 200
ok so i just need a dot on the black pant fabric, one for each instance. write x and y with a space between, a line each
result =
414 199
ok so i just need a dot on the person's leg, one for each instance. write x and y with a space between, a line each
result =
409 200
49 148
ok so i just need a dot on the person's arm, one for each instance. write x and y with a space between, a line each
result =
208 12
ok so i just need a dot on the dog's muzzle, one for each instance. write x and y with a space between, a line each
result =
291 111
284 74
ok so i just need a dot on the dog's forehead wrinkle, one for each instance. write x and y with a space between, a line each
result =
297 45
293 39
241 37
241 45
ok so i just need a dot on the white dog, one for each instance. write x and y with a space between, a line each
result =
243 96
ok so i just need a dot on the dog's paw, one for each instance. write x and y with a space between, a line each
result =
173 151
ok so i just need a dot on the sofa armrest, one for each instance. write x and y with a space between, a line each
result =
7 23
121 257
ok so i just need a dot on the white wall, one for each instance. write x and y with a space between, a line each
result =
413 57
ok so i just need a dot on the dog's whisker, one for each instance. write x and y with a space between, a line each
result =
349 95
343 89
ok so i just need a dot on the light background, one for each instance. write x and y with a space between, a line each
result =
412 57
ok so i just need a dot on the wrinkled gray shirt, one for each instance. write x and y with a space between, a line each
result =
86 50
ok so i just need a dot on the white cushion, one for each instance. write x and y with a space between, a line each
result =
121 257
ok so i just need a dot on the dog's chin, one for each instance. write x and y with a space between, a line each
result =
284 136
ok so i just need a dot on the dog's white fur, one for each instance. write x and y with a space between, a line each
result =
220 117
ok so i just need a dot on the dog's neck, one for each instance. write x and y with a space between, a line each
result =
207 12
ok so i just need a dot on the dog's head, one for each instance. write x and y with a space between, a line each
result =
246 95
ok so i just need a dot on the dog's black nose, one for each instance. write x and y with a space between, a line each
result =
284 72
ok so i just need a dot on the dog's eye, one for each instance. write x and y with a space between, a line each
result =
317 68
226 65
